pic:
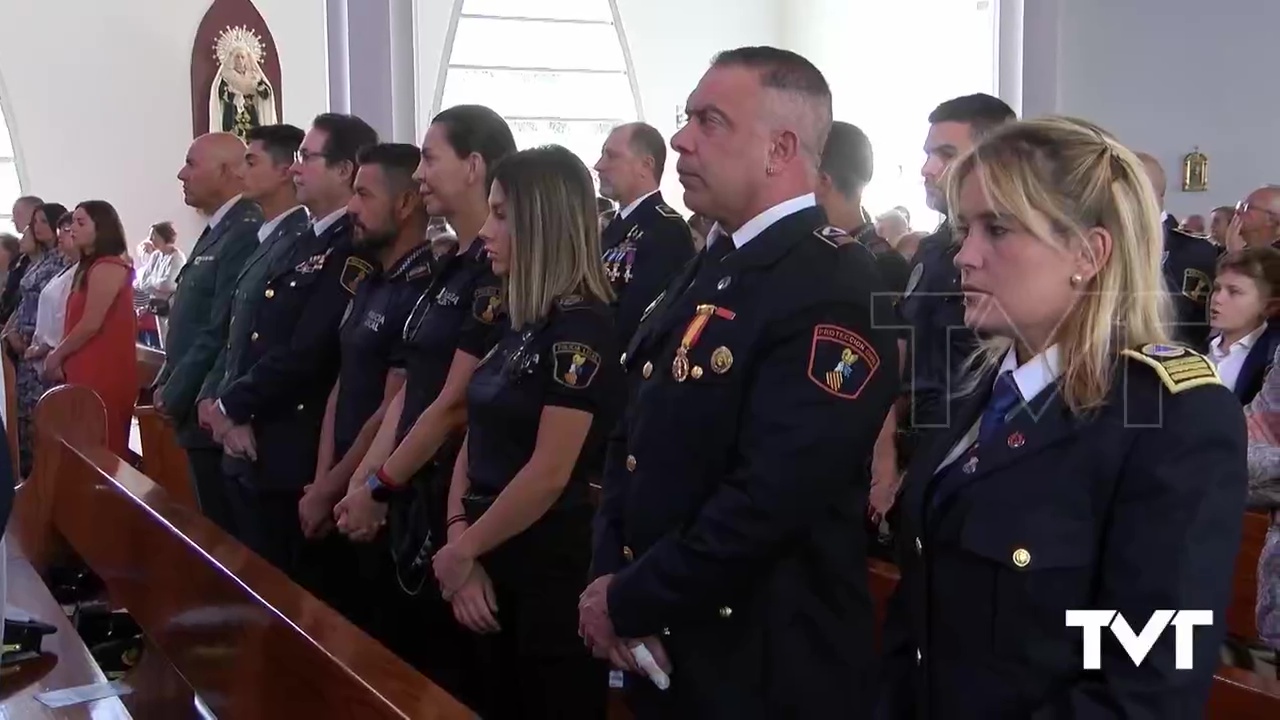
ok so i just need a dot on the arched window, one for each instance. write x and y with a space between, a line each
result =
927 51
10 187
555 69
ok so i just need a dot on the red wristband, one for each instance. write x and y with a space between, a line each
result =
384 478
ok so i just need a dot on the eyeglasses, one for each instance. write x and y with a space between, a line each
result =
302 157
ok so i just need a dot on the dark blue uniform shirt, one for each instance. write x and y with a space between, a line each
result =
643 252
461 311
568 359
372 341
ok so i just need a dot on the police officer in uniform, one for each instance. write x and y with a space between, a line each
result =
1073 476
268 181
647 242
272 403
539 407
932 304
450 326
1189 264
211 182
729 541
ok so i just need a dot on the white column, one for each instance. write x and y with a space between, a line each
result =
404 84
339 54
369 55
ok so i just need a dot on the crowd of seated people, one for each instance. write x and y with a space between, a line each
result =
523 430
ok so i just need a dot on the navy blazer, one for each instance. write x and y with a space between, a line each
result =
1257 363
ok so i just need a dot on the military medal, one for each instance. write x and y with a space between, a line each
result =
721 360
680 368
970 465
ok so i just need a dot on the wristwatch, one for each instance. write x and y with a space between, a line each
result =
380 488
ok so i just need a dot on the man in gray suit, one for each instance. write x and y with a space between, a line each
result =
212 182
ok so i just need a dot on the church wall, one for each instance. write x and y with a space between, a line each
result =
1167 75
671 43
97 97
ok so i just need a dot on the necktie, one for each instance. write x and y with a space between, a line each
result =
722 246
1004 396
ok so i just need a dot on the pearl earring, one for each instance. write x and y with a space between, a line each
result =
1076 279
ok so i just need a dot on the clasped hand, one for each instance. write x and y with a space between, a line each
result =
596 630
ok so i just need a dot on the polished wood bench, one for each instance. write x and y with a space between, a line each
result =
249 642
1236 694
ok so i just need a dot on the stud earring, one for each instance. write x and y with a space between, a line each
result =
1076 279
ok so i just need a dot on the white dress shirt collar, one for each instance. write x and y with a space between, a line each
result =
270 226
327 221
631 208
1038 373
1246 343
763 221
217 217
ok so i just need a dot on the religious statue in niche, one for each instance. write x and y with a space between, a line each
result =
241 96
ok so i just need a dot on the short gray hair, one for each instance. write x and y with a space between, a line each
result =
802 89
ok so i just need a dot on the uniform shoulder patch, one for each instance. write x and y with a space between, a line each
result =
666 210
354 272
1177 367
575 364
487 304
1196 285
833 236
841 361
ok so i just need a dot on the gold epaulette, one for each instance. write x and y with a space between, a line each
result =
1179 368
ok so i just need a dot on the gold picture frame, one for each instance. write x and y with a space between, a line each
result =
1195 171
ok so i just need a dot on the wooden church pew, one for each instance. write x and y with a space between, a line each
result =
249 642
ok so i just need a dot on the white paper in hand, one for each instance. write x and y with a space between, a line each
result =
645 660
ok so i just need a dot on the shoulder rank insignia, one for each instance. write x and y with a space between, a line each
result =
354 272
418 272
833 236
652 306
571 302
1178 367
666 210
841 362
575 364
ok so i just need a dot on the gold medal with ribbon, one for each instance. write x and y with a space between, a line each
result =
680 367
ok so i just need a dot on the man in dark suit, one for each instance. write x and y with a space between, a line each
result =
729 540
272 400
1189 264
211 183
647 242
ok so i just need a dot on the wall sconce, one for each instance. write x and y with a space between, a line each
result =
1195 171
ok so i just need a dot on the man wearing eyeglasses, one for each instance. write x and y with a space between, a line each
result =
1257 220
270 408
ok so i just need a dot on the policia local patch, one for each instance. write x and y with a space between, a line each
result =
841 362
576 364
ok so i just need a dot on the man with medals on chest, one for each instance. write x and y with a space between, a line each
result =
647 243
728 547
271 405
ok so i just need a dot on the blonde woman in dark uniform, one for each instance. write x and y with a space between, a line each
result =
1089 464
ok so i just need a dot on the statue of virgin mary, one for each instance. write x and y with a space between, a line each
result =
241 96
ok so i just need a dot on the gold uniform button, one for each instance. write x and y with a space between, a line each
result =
627 554
623 360
302 407
696 372
253 336
1021 557
631 463
919 546
726 611
270 293
647 370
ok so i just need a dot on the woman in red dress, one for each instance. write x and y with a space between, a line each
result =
98 349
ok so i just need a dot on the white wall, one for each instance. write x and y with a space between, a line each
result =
101 108
1168 75
671 44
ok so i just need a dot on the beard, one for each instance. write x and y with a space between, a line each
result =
373 239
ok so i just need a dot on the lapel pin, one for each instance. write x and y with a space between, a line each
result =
724 283
1017 440
970 465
